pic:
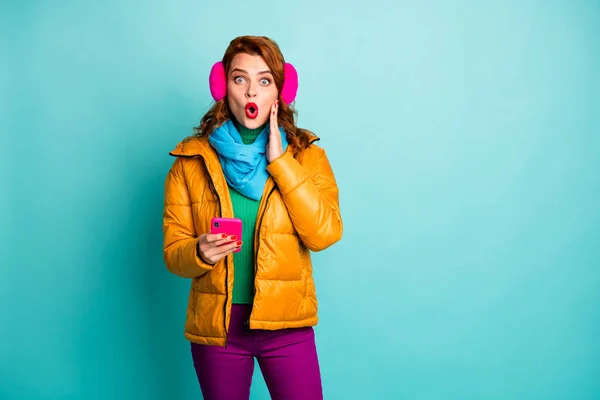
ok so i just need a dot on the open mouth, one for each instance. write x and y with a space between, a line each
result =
251 110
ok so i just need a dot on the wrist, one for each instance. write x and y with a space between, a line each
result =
200 256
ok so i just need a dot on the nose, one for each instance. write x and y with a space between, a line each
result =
250 92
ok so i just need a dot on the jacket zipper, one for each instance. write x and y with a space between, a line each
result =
258 230
258 234
214 190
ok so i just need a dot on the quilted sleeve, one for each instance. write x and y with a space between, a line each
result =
310 194
180 240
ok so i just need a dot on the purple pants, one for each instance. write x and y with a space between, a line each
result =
287 359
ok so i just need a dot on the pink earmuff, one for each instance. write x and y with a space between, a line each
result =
218 82
290 83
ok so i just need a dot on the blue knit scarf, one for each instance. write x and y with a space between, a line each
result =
244 165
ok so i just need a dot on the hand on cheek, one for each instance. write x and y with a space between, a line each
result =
274 146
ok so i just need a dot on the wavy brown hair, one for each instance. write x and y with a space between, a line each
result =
286 116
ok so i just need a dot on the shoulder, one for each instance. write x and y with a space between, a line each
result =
190 146
186 154
314 143
313 154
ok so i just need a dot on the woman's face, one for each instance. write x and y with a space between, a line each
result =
251 90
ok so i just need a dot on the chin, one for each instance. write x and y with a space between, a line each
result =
252 123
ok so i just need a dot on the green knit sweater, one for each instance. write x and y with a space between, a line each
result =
246 209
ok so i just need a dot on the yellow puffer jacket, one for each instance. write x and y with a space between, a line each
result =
299 212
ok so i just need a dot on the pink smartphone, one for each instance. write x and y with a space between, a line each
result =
230 226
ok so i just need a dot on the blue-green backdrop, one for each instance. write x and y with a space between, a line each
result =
465 140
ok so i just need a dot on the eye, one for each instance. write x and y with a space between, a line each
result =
265 81
239 79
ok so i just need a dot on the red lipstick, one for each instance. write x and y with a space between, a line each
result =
251 110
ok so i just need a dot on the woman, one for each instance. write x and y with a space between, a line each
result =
254 297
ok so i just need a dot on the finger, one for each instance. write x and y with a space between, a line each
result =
220 251
221 242
216 258
213 237
227 247
273 115
273 119
230 250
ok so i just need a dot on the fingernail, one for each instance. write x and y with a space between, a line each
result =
239 243
224 235
233 237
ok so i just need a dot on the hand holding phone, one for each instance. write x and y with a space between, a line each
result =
225 237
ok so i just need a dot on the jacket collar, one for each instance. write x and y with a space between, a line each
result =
194 146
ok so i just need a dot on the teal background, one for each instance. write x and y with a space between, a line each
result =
465 140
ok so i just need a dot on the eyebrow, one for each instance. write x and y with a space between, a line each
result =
246 72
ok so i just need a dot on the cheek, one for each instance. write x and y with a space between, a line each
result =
232 95
234 101
269 97
236 109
